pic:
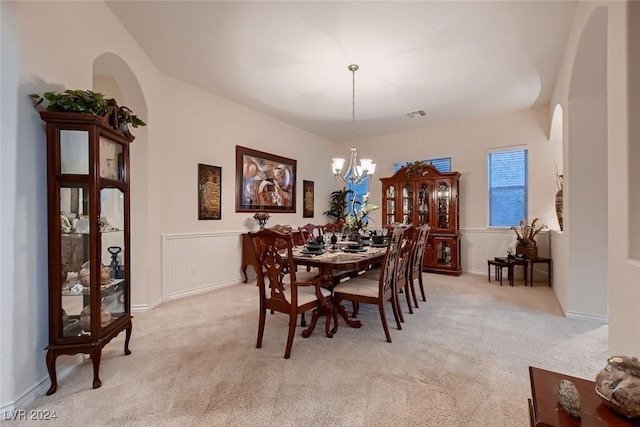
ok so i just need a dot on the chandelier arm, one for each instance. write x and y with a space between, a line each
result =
353 174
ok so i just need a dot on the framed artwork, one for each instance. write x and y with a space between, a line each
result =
209 192
307 205
264 182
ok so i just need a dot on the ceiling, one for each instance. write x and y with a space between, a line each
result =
452 59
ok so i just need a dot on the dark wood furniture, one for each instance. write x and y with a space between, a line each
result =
542 260
248 254
427 197
284 290
367 291
89 252
511 263
417 262
545 411
338 266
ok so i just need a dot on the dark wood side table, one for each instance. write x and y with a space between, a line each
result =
542 260
545 411
511 263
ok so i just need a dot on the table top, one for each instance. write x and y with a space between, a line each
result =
547 412
330 262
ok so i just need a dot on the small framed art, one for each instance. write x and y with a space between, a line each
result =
209 192
307 205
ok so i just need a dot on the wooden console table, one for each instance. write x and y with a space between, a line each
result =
545 411
249 256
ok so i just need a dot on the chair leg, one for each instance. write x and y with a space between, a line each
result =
409 294
424 297
413 293
261 320
383 317
396 306
396 312
292 331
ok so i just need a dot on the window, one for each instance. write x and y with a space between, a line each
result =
507 175
443 164
359 190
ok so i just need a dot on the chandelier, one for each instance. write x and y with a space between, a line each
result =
355 174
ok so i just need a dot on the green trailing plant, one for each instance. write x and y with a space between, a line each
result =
419 167
88 102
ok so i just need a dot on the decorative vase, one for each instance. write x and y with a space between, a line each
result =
618 385
559 207
334 239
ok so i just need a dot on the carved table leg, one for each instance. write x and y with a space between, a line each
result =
96 354
127 338
343 312
244 271
51 367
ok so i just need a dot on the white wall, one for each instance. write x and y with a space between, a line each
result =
467 143
186 126
623 273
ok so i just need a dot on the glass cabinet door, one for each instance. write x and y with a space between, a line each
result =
424 194
407 204
112 255
75 256
390 204
443 205
111 160
443 253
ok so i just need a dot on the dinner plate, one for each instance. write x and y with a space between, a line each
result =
308 252
355 250
379 245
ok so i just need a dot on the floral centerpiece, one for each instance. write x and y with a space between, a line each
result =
358 220
526 234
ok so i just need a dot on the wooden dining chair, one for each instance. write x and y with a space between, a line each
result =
314 230
365 290
417 262
284 290
403 273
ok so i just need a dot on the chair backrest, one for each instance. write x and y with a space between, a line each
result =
390 266
272 268
418 250
314 230
407 244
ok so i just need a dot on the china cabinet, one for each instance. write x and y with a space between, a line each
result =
89 251
427 196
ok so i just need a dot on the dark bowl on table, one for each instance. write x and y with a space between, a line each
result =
354 245
313 247
378 240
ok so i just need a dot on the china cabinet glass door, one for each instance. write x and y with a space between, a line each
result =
407 204
443 212
390 204
424 194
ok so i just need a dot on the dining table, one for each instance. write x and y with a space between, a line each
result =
340 263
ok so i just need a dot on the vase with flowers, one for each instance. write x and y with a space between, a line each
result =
526 233
357 221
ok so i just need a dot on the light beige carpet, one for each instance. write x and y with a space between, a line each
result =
461 360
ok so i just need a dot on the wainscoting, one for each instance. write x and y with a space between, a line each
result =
480 244
197 262
194 263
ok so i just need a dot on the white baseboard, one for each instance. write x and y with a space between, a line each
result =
202 290
585 316
40 387
138 308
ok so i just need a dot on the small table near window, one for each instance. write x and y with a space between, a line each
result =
501 262
542 260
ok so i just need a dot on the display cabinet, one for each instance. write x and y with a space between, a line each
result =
426 196
89 251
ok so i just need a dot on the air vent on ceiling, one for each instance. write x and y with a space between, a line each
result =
417 113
